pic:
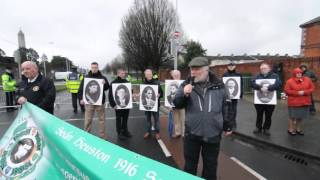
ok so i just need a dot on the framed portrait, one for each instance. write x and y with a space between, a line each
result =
148 97
122 95
268 97
233 85
171 86
92 91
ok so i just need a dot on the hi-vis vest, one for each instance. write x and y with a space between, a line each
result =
73 82
8 84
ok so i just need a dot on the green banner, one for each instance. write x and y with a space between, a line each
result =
39 145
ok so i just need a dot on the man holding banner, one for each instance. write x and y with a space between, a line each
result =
90 109
121 114
264 89
36 89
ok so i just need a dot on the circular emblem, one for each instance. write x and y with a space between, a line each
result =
20 155
35 88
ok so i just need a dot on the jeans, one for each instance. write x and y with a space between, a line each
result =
209 152
155 115
122 120
262 109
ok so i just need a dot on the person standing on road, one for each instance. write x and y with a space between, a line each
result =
313 77
149 80
73 81
35 88
9 87
265 109
299 89
231 72
207 105
121 114
91 109
178 114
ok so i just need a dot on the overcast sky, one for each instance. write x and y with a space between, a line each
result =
88 30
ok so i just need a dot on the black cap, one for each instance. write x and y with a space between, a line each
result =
231 63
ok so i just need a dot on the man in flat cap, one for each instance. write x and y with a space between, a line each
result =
207 105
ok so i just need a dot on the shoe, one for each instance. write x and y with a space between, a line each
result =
257 131
75 110
301 133
312 113
146 135
266 132
158 136
121 136
292 133
127 134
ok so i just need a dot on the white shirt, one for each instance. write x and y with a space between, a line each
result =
33 80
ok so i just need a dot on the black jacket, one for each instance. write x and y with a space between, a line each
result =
111 98
155 82
41 92
97 75
234 73
271 75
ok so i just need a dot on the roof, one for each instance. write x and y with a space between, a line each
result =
313 21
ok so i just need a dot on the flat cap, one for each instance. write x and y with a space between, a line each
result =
199 62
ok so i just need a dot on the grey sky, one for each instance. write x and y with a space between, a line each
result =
87 30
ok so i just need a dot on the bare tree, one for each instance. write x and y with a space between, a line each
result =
145 33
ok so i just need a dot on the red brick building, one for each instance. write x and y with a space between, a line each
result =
310 41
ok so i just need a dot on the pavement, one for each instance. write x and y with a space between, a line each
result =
307 145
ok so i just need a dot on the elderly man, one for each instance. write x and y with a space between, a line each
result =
265 90
207 105
35 88
90 108
121 114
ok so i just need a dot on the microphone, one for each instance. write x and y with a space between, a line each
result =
192 81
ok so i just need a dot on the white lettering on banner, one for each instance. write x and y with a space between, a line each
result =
97 153
68 175
151 175
128 168
64 134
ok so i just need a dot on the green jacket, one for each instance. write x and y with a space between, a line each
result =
8 83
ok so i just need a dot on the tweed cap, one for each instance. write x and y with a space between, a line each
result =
199 62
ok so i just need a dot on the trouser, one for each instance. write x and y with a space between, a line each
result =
76 100
89 113
122 120
234 103
267 110
179 119
155 115
312 106
9 100
209 152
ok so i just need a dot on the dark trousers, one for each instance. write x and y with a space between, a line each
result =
9 100
209 152
155 115
234 103
75 100
312 106
122 120
267 110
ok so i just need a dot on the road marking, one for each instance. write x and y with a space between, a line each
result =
108 118
253 172
164 148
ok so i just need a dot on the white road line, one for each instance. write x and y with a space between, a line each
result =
253 172
164 148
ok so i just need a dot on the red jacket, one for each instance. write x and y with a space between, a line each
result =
294 85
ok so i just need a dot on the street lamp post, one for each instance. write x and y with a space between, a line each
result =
44 59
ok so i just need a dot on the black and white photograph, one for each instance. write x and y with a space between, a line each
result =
233 86
122 95
22 151
148 98
265 97
171 86
93 89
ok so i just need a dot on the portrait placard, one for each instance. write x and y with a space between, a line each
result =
122 95
233 85
265 97
92 91
148 97
171 86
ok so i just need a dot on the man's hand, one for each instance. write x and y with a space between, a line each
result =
22 100
264 89
227 133
187 89
82 102
103 81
